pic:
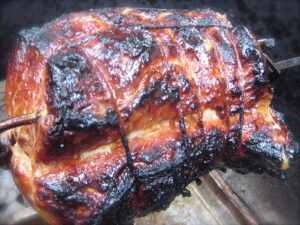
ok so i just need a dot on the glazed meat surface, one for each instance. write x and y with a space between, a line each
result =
134 104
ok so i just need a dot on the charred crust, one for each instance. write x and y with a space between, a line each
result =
164 180
66 194
260 76
156 184
158 91
37 37
74 121
262 155
233 141
235 109
179 18
190 37
212 145
227 52
251 54
247 45
138 44
293 149
116 19
150 156
68 73
64 197
209 20
117 206
184 83
5 151
236 91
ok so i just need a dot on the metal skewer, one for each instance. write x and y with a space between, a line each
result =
18 121
289 63
273 67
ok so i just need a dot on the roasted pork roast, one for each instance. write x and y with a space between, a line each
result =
133 105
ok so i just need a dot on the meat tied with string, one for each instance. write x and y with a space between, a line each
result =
133 105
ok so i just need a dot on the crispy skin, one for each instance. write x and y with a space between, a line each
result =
135 104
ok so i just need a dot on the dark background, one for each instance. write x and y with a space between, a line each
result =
266 196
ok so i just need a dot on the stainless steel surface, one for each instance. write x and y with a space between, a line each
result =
238 209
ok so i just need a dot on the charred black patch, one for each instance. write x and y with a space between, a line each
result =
65 198
250 54
159 92
117 45
234 109
190 37
236 91
262 155
138 44
293 150
213 143
184 83
117 208
165 178
67 73
260 76
233 141
5 151
261 145
37 37
150 156
179 18
74 121
227 52
65 194
116 19
209 20
247 45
